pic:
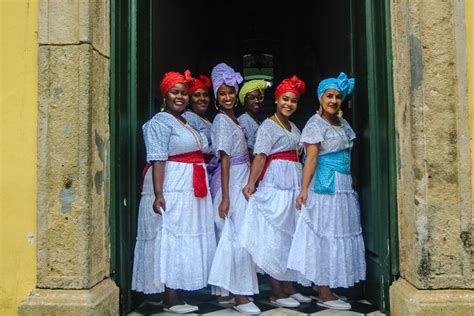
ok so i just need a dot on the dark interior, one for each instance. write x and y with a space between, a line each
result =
311 41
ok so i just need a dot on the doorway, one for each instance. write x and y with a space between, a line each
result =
316 40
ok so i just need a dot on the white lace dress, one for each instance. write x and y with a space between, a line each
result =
250 128
201 125
176 248
327 247
270 217
232 269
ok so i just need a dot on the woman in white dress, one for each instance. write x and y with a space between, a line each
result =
251 95
327 247
176 238
232 271
196 114
271 213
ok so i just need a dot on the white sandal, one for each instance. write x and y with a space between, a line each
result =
249 308
335 304
301 298
181 309
285 302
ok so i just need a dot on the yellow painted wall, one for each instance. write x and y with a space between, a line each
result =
18 124
469 9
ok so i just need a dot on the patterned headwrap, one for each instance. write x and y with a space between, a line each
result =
250 86
171 78
293 84
341 84
202 83
223 74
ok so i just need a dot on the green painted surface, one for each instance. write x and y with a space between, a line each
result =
374 155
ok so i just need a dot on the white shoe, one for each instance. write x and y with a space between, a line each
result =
335 304
181 309
341 297
249 308
227 302
301 298
286 302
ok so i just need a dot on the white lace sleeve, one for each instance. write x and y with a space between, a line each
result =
351 135
312 133
157 135
221 135
264 141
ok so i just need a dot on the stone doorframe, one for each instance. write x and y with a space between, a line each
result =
73 276
433 153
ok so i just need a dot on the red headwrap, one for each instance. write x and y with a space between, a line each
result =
172 78
202 83
293 84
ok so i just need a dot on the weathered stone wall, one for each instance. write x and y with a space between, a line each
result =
73 138
73 134
434 194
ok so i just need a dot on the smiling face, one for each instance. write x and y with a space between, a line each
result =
253 101
177 99
199 101
331 101
226 97
287 103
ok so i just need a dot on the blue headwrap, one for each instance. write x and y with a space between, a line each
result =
223 74
341 84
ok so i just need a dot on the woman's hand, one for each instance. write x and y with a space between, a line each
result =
248 190
159 203
224 208
301 199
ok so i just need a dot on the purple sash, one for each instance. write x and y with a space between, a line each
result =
214 169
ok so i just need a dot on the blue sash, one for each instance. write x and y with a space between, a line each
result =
328 164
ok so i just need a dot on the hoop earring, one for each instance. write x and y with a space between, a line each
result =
236 103
340 113
163 105
216 105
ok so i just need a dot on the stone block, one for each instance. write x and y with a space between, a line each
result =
63 22
433 186
102 299
72 210
75 22
100 22
406 300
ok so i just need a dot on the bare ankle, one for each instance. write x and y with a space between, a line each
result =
241 299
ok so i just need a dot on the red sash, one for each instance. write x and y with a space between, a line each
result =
208 157
199 173
291 155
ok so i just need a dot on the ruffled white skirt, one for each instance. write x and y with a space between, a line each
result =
270 220
184 242
232 269
148 229
327 247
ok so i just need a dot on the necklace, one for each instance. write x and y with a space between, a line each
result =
234 121
331 123
254 118
281 124
336 128
193 132
289 135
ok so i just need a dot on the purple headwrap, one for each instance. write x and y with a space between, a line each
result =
223 74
